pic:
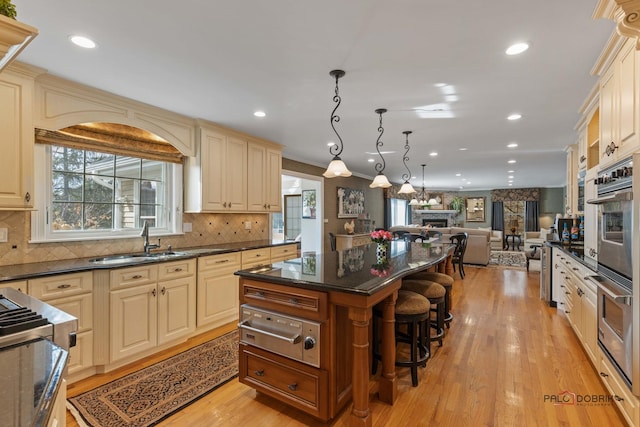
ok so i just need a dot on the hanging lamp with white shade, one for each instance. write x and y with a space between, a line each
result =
380 181
406 188
336 167
420 199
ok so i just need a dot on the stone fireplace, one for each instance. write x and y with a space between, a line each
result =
434 217
435 222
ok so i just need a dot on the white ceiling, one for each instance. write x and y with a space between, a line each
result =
222 60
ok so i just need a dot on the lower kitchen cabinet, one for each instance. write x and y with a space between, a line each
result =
19 286
73 294
625 401
284 252
218 289
151 305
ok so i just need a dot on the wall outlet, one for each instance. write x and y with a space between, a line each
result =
247 225
4 234
186 227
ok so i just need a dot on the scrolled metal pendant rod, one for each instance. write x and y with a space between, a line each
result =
336 149
405 157
379 167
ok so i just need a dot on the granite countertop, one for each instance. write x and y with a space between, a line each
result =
28 394
38 269
353 270
576 251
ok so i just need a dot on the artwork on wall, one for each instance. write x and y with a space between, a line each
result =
475 209
309 204
350 202
436 200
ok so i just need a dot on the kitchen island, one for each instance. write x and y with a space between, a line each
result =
336 291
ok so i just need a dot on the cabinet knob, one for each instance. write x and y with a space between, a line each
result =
610 148
293 387
27 197
137 276
229 204
618 398
153 292
163 290
259 373
603 375
264 206
65 286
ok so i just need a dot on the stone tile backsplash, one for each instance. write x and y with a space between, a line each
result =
207 229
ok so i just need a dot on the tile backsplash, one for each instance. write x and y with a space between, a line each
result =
207 229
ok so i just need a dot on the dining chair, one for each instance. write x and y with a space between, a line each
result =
460 240
332 241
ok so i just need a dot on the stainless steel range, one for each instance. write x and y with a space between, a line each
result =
24 318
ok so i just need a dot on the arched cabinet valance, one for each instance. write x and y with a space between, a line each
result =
61 104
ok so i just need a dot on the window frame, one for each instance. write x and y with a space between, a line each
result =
41 231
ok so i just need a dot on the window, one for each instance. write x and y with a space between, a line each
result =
398 212
88 194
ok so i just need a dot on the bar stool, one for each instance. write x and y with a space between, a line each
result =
412 310
446 281
435 293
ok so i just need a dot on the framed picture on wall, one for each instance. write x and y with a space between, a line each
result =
475 209
309 204
350 202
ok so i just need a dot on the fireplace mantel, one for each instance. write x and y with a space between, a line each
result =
434 211
418 215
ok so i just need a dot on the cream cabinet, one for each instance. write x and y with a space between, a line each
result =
264 178
619 120
627 403
218 289
19 285
216 178
283 253
571 202
590 216
346 241
151 305
73 294
16 141
255 257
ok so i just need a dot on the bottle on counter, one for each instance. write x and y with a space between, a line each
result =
566 236
581 226
575 231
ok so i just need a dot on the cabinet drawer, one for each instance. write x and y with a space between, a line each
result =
284 299
176 269
230 260
255 257
284 252
133 276
47 288
300 386
18 286
625 400
361 240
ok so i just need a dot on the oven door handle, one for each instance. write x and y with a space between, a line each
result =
617 196
293 340
607 289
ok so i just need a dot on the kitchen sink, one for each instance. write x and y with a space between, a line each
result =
132 258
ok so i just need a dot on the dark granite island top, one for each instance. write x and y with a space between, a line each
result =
338 290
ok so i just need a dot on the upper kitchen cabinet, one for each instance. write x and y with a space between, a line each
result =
216 178
589 131
14 37
232 172
264 175
619 121
16 139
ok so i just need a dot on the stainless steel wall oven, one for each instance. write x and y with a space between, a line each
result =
616 300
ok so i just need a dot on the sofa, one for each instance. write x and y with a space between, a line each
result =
497 239
478 244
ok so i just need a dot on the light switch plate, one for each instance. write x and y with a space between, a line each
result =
4 234
247 225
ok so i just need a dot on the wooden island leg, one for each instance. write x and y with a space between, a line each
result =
388 387
360 413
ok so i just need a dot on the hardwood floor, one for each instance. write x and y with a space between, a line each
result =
506 350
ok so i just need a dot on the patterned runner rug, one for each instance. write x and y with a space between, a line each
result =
508 258
150 395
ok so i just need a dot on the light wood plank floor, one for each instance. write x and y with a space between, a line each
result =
504 352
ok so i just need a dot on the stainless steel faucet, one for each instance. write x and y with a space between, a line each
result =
145 234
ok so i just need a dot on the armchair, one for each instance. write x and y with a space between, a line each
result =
534 238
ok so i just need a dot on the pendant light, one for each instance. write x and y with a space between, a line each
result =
380 181
406 188
337 166
420 199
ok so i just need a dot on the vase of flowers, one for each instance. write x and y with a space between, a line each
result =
382 239
381 269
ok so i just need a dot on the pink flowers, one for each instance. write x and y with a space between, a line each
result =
381 236
381 269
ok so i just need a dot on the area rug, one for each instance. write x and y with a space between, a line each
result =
150 395
508 259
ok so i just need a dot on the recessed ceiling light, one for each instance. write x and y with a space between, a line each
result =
433 154
510 181
512 145
330 144
259 114
463 149
370 160
516 48
510 177
458 174
511 171
514 116
511 161
82 41
510 185
440 84
461 187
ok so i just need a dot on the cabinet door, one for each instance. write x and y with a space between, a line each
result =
627 95
590 217
213 166
256 172
236 174
176 308
217 297
274 180
590 322
607 114
16 142
134 318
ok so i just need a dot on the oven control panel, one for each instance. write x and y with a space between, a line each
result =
615 177
292 337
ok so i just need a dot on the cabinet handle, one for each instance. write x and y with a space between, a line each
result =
603 375
575 269
618 398
222 261
293 387
610 148
229 205
137 276
582 159
264 206
562 286
294 301
567 293
224 205
65 286
163 290
177 269
567 312
259 373
27 197
268 206
153 292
